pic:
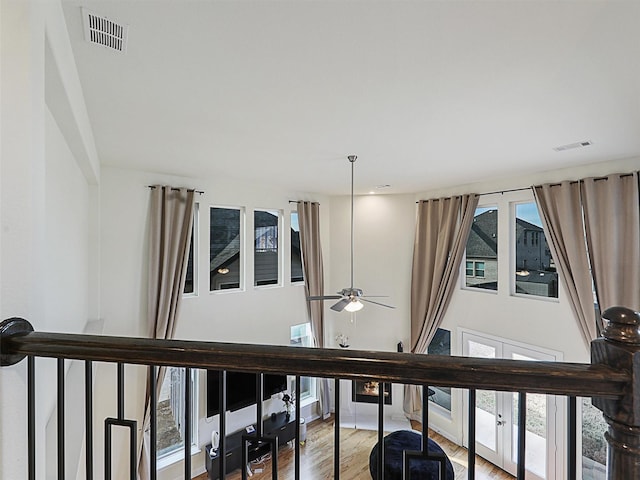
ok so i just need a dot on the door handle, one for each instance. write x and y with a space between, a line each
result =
500 422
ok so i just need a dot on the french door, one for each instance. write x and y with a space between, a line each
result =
497 414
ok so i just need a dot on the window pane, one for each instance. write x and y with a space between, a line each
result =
301 337
482 250
266 259
535 271
296 253
188 284
224 248
441 345
170 416
469 269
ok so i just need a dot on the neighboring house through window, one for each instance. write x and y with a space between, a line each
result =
481 264
535 271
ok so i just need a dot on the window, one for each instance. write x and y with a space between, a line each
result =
192 266
301 337
225 248
441 345
170 412
296 254
266 253
481 265
535 272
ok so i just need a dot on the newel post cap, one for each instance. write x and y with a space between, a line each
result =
622 325
12 327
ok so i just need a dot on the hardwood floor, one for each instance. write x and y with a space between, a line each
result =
316 456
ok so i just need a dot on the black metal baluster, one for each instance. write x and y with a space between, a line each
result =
425 418
259 388
31 416
572 427
471 458
88 418
187 423
222 401
120 391
522 430
381 430
336 432
153 421
61 430
297 438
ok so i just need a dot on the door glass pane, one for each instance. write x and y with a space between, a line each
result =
441 345
594 445
536 436
486 403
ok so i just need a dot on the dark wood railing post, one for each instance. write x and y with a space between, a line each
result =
620 348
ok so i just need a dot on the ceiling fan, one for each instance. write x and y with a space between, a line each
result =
349 299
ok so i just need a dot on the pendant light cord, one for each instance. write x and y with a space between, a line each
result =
352 159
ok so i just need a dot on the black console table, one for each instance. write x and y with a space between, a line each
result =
279 426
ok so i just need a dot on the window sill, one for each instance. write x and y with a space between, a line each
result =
175 457
307 401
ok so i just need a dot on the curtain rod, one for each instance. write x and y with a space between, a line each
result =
199 192
597 179
299 201
488 193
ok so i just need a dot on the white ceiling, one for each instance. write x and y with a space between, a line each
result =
428 94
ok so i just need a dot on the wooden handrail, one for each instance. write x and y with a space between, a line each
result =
559 378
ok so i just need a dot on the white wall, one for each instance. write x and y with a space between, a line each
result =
22 207
384 227
44 213
255 315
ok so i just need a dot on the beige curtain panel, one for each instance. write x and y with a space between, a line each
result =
309 222
170 225
560 209
442 230
612 225
593 229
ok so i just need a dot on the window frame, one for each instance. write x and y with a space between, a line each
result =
280 260
241 249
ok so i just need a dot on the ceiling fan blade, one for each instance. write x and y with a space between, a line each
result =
377 303
324 297
374 296
338 307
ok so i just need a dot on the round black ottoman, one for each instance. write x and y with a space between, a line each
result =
421 469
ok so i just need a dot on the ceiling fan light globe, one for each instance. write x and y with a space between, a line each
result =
354 306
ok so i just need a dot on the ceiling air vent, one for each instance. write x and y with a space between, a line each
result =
102 31
571 146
